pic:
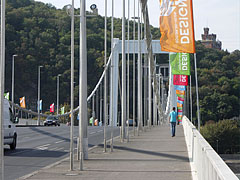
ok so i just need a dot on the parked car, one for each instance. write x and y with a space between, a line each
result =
10 132
51 121
130 122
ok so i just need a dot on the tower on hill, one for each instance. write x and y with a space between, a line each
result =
209 40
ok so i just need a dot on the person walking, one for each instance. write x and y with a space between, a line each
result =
173 120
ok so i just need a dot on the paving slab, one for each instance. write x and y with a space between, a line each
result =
153 155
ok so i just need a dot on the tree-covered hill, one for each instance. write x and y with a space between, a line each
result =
40 35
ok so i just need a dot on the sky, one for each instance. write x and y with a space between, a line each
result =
221 16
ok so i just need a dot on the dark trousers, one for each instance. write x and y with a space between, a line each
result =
173 125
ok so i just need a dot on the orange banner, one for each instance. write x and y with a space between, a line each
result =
180 92
176 26
22 102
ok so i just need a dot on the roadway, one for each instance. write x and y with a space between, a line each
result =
38 147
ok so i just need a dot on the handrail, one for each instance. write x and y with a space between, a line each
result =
207 163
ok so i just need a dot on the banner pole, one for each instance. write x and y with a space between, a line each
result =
198 110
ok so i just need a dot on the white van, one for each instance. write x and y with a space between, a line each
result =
9 129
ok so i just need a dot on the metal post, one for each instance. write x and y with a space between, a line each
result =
123 73
72 85
134 68
13 80
196 78
83 117
58 93
93 109
145 72
2 79
139 75
149 93
38 103
105 78
101 103
112 35
128 73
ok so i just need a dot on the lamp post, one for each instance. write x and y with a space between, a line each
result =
105 78
38 103
58 93
2 69
13 79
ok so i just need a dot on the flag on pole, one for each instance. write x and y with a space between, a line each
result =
22 102
180 99
6 95
181 88
180 95
180 80
180 92
62 110
52 108
176 26
180 63
180 102
179 105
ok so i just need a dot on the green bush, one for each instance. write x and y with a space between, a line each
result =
223 136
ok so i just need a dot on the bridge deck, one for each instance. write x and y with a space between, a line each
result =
152 155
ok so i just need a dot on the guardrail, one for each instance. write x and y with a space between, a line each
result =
207 163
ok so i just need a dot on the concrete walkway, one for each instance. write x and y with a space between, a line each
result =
153 154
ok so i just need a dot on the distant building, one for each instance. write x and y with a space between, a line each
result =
209 40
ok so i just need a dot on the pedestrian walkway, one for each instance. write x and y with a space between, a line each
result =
153 154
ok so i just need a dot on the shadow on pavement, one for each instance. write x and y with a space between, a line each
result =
33 153
172 156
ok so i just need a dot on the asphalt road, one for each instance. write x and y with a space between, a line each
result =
38 147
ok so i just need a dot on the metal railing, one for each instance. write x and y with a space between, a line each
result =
207 164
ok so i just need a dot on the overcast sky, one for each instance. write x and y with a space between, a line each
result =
221 16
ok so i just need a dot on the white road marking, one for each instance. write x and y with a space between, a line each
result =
59 141
100 131
43 147
92 132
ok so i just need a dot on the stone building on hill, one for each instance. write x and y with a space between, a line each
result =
209 40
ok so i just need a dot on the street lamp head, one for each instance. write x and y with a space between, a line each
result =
59 75
69 9
94 9
15 55
40 66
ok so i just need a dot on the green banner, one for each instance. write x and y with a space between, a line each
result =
180 63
